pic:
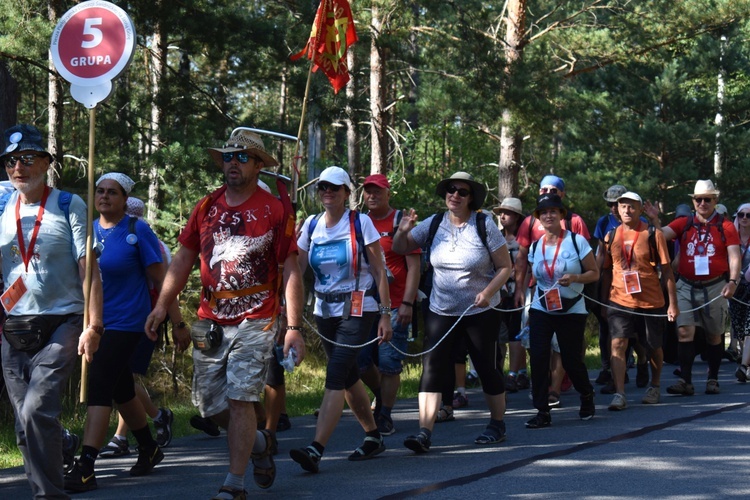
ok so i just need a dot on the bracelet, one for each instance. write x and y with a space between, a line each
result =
298 328
385 310
734 281
407 303
98 329
181 324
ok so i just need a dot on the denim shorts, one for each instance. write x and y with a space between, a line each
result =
388 359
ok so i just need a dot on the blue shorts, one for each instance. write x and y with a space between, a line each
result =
388 359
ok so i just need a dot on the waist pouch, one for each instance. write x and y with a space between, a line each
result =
206 334
29 333
567 304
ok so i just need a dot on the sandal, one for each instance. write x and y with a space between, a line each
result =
236 494
444 415
264 477
491 437
360 454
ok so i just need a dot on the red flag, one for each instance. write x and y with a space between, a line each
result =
331 35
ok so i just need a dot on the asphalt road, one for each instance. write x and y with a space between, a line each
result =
686 447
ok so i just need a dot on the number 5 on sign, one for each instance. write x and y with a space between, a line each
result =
96 33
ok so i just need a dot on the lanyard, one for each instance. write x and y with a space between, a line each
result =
26 256
551 270
628 258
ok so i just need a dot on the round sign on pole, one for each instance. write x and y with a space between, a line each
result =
92 44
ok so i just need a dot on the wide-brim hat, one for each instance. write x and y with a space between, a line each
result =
511 205
243 140
705 187
614 192
478 190
23 137
549 200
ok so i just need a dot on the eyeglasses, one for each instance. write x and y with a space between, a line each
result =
242 157
549 190
462 192
611 204
743 215
327 186
26 160
698 200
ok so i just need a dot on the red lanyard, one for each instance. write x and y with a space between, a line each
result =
625 256
26 256
551 270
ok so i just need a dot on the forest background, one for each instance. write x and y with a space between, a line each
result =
652 94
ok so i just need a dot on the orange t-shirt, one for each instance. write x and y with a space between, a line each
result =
651 295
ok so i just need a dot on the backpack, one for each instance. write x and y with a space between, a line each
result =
691 224
63 202
653 251
425 282
354 224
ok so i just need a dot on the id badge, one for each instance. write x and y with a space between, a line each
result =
632 282
358 299
701 265
554 302
13 294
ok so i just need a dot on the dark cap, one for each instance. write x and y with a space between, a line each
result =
23 138
549 200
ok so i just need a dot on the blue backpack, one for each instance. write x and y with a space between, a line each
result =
63 202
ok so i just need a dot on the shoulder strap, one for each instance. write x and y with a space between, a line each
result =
357 224
434 225
208 201
311 227
482 229
397 216
4 201
609 238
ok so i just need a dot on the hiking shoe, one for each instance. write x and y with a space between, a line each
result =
652 396
308 458
588 409
712 386
284 423
70 443
681 388
163 427
604 377
642 377
385 425
619 402
204 424
609 387
76 480
741 374
460 400
419 443
147 460
235 494
553 399
511 384
523 381
542 419
115 448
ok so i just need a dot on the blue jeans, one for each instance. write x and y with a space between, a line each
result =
388 359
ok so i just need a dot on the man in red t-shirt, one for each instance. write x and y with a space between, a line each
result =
709 267
239 233
381 365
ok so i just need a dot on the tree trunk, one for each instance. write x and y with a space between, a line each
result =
8 103
414 82
379 157
158 67
55 107
719 119
283 95
511 139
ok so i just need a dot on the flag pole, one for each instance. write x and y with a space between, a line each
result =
295 170
89 248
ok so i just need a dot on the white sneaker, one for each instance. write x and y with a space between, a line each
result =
618 402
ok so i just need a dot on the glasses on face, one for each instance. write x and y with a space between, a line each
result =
611 204
327 186
242 157
549 190
26 160
742 215
462 192
698 200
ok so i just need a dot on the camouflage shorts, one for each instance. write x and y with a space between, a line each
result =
236 369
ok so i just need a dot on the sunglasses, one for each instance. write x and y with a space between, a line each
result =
699 200
462 192
549 190
26 160
743 215
242 157
327 186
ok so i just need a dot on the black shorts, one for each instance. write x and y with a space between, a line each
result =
649 330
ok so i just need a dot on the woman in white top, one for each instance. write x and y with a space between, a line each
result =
348 281
739 313
562 262
468 275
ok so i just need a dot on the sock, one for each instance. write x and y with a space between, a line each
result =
386 411
318 447
714 354
686 356
461 390
259 447
427 432
121 437
145 439
234 482
370 446
88 458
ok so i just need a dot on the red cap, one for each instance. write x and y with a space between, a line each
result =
378 180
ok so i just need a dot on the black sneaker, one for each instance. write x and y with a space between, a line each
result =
308 458
70 446
147 460
284 423
604 377
642 376
76 480
164 427
204 424
419 443
541 420
588 409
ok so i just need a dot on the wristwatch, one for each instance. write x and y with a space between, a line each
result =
181 324
734 281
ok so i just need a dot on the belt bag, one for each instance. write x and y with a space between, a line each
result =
567 304
206 334
30 333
